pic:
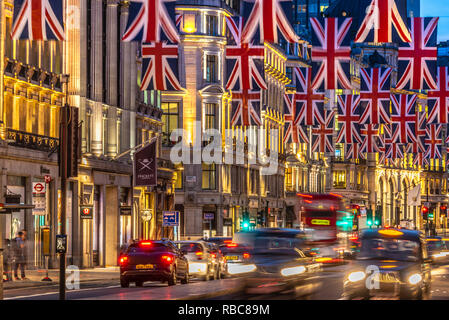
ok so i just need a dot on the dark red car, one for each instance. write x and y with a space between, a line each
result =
150 260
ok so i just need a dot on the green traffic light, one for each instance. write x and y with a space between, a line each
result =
369 222
245 225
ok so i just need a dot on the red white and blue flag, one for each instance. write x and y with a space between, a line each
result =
160 65
331 53
246 108
38 20
420 160
311 111
420 133
371 138
393 149
438 100
146 20
294 132
354 151
403 116
348 118
375 87
433 141
264 18
418 59
244 61
322 135
381 17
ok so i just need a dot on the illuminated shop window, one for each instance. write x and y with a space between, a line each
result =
339 179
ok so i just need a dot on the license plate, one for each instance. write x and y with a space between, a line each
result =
145 266
387 277
232 257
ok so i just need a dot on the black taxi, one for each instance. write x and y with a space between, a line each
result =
392 263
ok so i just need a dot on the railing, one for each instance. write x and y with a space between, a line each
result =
32 141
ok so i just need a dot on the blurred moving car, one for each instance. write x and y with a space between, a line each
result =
201 262
236 255
218 240
438 250
150 260
221 265
392 263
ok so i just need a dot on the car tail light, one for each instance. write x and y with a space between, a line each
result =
231 245
227 241
214 255
199 255
145 243
246 255
166 258
123 260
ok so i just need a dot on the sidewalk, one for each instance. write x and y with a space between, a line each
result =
86 275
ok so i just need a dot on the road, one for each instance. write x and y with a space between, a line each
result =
218 289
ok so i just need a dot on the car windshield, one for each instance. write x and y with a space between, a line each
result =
394 249
436 245
154 247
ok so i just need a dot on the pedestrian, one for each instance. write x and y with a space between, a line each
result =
8 260
20 256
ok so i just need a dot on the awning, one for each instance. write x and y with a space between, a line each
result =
12 207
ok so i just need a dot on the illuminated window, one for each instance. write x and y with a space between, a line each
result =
339 177
211 68
189 23
211 25
178 179
170 120
289 179
209 176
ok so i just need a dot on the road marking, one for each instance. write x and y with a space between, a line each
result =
57 292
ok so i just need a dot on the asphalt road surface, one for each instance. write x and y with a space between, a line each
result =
218 289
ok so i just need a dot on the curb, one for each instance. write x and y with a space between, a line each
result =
49 284
212 294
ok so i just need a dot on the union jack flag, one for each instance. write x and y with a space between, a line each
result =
438 100
418 59
244 61
354 151
147 18
381 17
160 74
417 146
349 116
371 138
331 53
420 160
178 20
311 111
393 150
267 16
433 141
403 116
246 108
38 20
322 135
375 95
294 131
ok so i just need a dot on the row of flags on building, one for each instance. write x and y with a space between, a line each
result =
374 120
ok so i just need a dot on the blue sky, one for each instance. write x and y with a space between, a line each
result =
437 8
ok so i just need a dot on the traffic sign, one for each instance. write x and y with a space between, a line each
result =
38 188
209 216
61 243
170 218
86 212
47 178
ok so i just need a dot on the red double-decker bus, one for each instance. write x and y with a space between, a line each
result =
319 214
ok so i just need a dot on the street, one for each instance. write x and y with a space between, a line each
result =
227 289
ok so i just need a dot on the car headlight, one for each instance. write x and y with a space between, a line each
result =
293 271
415 278
356 276
241 268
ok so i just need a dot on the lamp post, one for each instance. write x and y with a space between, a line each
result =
266 210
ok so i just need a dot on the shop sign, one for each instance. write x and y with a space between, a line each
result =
170 218
125 211
209 216
145 171
227 222
86 212
38 188
147 214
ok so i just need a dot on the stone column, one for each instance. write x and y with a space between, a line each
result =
111 52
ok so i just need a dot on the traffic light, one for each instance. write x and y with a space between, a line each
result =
378 218
260 218
69 142
431 215
245 221
369 217
443 210
425 212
